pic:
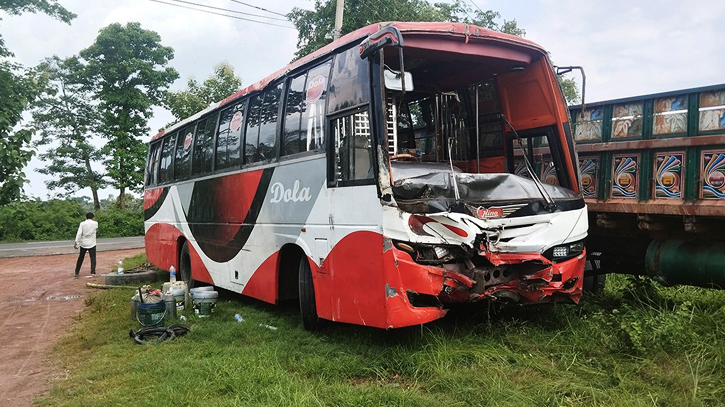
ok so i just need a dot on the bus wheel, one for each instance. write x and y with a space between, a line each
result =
185 265
308 308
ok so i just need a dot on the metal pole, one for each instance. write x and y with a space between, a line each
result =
338 18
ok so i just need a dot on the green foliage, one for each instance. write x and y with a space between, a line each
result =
58 219
49 7
570 90
126 68
315 27
197 97
560 355
16 90
65 116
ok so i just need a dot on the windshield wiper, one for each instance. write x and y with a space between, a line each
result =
550 204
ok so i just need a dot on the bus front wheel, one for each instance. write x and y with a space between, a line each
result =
308 308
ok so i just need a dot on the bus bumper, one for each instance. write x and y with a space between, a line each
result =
532 279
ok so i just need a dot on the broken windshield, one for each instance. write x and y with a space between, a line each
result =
451 139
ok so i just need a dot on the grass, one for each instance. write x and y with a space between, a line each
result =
636 344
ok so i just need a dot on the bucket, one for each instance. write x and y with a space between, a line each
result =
204 302
179 295
151 314
170 303
195 290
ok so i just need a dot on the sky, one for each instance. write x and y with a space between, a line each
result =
627 48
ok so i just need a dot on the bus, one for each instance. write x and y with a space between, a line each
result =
389 174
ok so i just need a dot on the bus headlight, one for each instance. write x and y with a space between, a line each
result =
565 251
441 252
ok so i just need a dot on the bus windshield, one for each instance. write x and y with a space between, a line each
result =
465 126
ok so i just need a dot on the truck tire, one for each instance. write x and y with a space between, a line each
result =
308 308
594 284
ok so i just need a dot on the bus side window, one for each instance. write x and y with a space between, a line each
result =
167 155
268 115
182 161
203 157
312 126
229 137
294 107
251 136
352 148
152 167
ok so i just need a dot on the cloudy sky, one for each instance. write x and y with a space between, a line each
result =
626 47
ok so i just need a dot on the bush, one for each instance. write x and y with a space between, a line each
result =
58 219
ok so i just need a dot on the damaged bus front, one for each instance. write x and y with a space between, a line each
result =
477 171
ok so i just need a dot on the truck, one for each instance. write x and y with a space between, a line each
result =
653 176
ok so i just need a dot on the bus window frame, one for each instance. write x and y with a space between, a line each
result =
157 164
190 175
245 111
173 138
332 181
215 118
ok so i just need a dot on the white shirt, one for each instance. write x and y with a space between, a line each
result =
86 236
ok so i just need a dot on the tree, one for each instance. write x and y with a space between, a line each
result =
49 7
17 89
65 116
197 97
315 27
128 74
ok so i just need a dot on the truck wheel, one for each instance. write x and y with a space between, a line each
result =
185 265
308 308
594 284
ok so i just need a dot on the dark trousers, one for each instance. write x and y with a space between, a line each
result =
82 254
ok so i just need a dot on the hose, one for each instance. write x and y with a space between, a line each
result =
153 335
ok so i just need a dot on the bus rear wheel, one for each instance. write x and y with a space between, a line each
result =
185 265
308 308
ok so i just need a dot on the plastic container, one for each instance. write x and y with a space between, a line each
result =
238 318
195 290
179 295
172 274
120 267
204 303
170 302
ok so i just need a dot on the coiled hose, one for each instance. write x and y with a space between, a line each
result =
152 335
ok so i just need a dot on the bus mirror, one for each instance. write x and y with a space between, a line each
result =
393 80
379 40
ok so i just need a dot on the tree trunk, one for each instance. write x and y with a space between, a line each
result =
122 199
93 185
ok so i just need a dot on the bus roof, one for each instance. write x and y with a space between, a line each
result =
462 30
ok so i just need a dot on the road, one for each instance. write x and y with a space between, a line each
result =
39 302
66 246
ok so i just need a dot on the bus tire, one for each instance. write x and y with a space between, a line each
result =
185 265
308 308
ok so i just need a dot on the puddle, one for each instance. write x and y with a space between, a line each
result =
64 298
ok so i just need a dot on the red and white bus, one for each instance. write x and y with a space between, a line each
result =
390 173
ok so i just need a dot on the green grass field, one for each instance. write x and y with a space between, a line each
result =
637 344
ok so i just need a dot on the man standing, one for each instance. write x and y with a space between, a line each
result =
86 239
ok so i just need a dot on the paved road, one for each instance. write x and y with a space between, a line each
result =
66 246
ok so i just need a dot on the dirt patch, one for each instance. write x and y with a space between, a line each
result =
38 301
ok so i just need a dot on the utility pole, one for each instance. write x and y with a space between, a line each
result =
338 18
